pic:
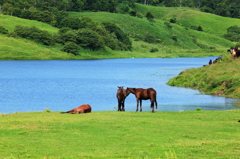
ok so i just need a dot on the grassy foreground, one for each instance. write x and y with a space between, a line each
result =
185 134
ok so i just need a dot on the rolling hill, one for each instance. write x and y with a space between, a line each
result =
173 39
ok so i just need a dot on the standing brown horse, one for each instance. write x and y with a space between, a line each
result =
144 94
121 95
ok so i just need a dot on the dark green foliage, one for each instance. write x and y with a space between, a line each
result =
173 20
174 37
233 33
126 44
150 38
71 47
35 34
3 30
149 16
198 28
69 22
154 50
133 13
89 39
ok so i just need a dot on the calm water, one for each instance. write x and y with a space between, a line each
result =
62 85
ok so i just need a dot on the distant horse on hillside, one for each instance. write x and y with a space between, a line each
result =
121 95
86 108
234 52
144 94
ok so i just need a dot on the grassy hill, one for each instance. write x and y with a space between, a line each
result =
222 78
177 41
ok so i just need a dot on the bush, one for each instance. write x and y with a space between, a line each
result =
198 28
233 33
89 39
154 50
150 38
71 47
174 37
35 34
133 13
3 30
173 20
112 28
149 16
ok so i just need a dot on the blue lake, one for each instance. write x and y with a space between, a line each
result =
62 85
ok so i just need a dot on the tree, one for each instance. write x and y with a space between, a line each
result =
3 30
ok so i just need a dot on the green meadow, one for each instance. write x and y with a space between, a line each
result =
166 135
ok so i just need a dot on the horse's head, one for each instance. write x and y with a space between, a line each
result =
233 50
130 90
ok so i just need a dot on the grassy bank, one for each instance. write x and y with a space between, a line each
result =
186 134
222 78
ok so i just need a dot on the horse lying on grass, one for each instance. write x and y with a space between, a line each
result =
144 94
86 108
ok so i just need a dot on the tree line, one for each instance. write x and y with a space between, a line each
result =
227 8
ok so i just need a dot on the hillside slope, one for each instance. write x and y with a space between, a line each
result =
222 78
175 41
186 17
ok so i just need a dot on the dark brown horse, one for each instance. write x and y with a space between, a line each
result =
144 94
121 95
235 52
86 108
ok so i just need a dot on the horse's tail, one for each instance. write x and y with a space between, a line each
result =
65 112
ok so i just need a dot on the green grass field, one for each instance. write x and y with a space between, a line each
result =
185 134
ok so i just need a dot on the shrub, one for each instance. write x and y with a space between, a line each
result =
133 13
198 28
71 47
112 28
149 16
89 39
154 50
233 33
150 38
174 37
3 30
35 34
173 20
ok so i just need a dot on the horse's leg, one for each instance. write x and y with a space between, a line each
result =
119 105
156 105
152 106
137 105
123 106
140 105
